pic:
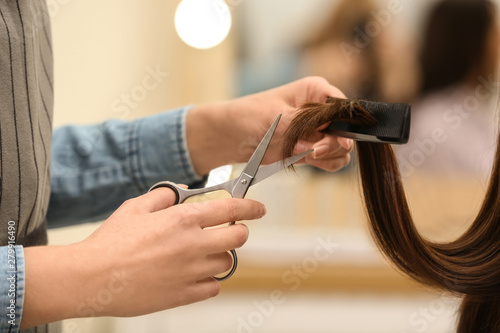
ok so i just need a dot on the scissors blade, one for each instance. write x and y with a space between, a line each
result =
247 175
269 170
254 163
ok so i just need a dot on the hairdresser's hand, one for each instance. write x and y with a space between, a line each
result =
148 256
228 132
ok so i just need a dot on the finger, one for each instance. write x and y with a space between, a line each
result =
324 126
320 89
346 143
208 287
317 135
212 213
158 199
217 264
225 239
201 290
332 164
328 147
331 147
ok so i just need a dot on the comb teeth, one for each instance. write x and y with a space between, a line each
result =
393 124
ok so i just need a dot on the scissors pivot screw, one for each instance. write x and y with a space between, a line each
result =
244 181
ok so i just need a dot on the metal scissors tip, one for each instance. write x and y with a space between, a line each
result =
258 155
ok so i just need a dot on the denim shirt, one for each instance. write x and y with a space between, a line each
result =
94 169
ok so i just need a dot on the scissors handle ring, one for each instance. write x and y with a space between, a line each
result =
171 186
179 198
233 269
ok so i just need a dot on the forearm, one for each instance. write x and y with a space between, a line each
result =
95 168
56 283
46 284
208 137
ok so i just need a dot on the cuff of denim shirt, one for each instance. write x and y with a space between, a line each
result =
11 287
163 151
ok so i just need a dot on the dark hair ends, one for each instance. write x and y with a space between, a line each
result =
479 314
468 266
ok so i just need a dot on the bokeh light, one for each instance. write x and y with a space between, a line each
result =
203 24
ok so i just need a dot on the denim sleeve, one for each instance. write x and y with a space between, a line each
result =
96 168
11 287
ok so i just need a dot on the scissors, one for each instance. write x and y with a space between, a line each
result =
252 174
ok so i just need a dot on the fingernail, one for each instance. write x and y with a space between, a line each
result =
345 143
320 151
263 210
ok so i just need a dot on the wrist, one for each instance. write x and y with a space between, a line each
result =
57 281
210 139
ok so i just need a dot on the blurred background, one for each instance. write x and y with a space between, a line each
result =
310 265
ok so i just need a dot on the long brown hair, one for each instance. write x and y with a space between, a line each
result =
456 43
468 266
346 23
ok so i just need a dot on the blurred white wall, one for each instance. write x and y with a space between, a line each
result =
103 50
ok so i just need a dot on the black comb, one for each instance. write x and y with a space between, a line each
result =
393 124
